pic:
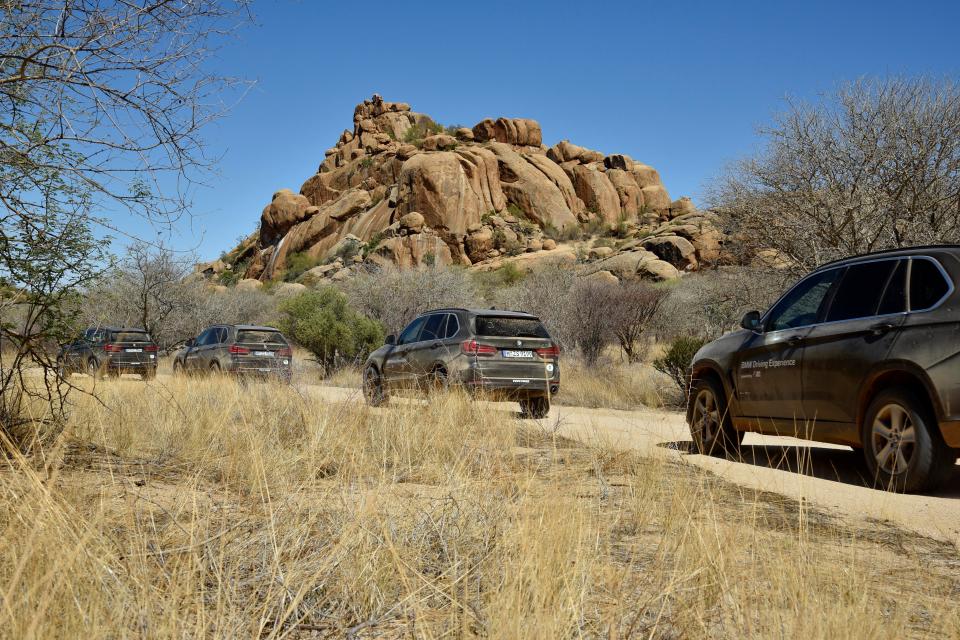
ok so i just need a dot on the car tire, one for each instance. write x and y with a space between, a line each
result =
373 391
902 445
149 373
215 368
536 408
93 369
178 368
709 418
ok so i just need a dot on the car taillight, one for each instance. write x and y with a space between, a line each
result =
474 348
112 348
238 350
150 347
553 351
286 352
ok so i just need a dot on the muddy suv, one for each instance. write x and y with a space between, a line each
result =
240 349
505 353
863 352
111 351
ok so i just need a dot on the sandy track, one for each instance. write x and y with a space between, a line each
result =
833 477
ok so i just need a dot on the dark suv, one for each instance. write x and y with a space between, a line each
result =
506 353
110 350
241 349
863 352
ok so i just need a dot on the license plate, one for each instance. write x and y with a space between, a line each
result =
264 370
268 354
512 353
134 350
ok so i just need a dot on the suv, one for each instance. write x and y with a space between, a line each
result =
861 352
241 349
110 350
504 352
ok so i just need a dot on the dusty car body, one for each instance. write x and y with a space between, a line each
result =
863 352
507 354
248 350
110 351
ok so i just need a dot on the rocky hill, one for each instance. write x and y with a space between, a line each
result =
399 188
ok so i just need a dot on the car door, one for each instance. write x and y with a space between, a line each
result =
767 370
428 350
194 356
397 370
861 323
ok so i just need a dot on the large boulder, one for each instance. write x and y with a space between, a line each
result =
284 211
514 131
439 142
628 192
565 151
412 222
451 190
597 192
412 251
676 250
530 189
656 198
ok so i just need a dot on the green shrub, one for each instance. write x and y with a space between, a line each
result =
567 234
234 275
297 264
324 323
676 361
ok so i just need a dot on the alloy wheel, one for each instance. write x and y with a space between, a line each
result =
893 439
706 416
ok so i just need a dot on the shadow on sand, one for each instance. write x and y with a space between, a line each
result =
838 465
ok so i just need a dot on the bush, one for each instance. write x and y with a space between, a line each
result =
297 264
676 361
395 296
325 324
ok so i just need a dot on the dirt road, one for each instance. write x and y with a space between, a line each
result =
832 477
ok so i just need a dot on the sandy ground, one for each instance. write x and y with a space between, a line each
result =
828 477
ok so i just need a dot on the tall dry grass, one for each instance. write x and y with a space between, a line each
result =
210 508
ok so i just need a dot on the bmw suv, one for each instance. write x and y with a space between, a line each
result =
109 350
505 353
862 352
240 349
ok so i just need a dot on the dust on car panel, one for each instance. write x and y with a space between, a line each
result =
100 351
861 352
247 350
508 354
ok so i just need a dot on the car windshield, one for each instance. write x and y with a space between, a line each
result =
131 336
260 337
507 327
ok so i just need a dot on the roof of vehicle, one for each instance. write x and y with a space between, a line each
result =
137 329
253 327
503 313
894 253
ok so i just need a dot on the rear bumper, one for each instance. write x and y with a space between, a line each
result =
114 364
510 387
253 370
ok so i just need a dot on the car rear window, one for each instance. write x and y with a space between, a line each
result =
506 327
131 336
260 337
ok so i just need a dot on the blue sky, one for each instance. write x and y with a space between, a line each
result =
679 85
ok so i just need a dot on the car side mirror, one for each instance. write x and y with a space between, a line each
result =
190 342
751 321
391 339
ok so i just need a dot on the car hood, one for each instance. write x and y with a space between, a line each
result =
724 346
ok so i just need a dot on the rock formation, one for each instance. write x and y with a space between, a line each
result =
399 188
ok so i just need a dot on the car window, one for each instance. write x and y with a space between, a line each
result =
131 336
858 292
258 337
801 306
509 327
453 326
410 334
203 338
222 334
927 284
895 295
434 328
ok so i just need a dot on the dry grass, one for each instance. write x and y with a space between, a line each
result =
614 385
209 508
